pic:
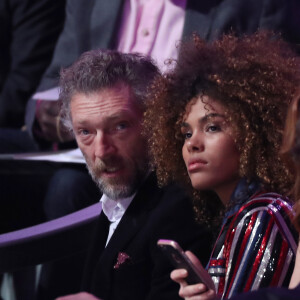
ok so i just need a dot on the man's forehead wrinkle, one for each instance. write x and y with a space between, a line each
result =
85 111
101 101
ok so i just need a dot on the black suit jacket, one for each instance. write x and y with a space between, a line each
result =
29 30
153 214
95 23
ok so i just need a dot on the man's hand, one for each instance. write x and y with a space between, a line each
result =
50 124
192 292
79 296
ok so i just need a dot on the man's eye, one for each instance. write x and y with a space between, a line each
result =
84 132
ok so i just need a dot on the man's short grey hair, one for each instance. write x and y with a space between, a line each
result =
98 69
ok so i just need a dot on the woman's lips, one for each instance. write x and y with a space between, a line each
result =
196 164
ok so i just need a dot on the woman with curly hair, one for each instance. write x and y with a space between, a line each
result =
216 123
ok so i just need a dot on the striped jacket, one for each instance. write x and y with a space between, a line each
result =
256 246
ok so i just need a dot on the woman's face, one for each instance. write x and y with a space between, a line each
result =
209 151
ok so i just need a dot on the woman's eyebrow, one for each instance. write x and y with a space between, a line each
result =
210 116
204 119
184 125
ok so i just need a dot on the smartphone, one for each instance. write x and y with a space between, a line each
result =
180 261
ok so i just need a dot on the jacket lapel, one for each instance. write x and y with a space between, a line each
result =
96 247
102 234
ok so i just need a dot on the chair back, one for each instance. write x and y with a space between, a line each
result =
48 241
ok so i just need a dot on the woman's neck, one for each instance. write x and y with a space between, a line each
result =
225 191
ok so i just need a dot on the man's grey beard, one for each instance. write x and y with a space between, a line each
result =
118 190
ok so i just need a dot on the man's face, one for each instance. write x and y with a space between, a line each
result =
107 127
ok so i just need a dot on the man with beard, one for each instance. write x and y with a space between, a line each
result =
102 98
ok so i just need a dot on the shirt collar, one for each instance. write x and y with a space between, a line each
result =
115 209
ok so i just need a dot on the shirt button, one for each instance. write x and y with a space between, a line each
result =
145 32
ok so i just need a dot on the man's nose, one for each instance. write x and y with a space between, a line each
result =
103 145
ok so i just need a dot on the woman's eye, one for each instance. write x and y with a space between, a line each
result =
213 128
187 135
121 126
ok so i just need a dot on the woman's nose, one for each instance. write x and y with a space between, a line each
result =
195 143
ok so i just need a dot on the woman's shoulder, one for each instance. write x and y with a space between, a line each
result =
272 203
250 197
265 208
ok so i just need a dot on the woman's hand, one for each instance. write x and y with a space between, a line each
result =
79 296
192 292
